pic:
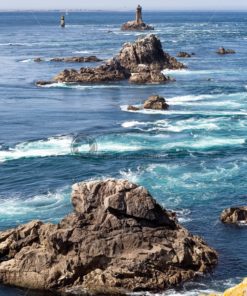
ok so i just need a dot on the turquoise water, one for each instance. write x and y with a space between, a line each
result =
192 158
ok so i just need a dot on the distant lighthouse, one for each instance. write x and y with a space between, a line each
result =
139 15
62 21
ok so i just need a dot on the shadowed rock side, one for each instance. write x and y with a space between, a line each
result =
237 215
140 62
118 239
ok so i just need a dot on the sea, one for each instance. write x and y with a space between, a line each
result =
192 158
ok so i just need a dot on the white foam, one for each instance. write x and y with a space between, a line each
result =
174 126
128 124
18 206
53 146
205 143
185 112
82 51
26 61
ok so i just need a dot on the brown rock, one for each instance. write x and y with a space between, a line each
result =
156 103
147 52
38 60
236 215
144 58
149 77
223 51
43 82
89 59
183 54
117 240
111 71
132 108
134 26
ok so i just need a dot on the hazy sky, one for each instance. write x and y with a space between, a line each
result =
125 4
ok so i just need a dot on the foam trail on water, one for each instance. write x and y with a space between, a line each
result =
184 112
44 206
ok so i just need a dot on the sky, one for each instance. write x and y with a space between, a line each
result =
123 4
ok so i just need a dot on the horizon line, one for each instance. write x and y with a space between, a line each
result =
122 10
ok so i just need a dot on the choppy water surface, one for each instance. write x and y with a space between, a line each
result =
192 158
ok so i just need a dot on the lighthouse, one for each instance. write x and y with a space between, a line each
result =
62 21
139 15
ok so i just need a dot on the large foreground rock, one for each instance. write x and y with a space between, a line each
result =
141 62
237 215
118 239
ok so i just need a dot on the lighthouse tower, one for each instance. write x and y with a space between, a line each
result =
139 15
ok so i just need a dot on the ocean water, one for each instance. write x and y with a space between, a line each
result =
192 158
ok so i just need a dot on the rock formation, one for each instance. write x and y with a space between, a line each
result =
153 102
141 62
183 54
118 239
239 290
137 24
223 51
237 215
89 59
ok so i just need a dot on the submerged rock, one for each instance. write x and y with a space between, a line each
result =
118 239
133 108
183 54
137 24
89 59
38 60
223 51
237 215
141 62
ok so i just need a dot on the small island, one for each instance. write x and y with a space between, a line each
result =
137 24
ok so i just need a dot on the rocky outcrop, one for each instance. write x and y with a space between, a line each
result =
237 215
183 54
143 74
137 24
111 71
239 290
223 51
89 59
118 239
141 62
134 26
153 102
146 52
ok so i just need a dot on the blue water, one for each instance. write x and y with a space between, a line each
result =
192 158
